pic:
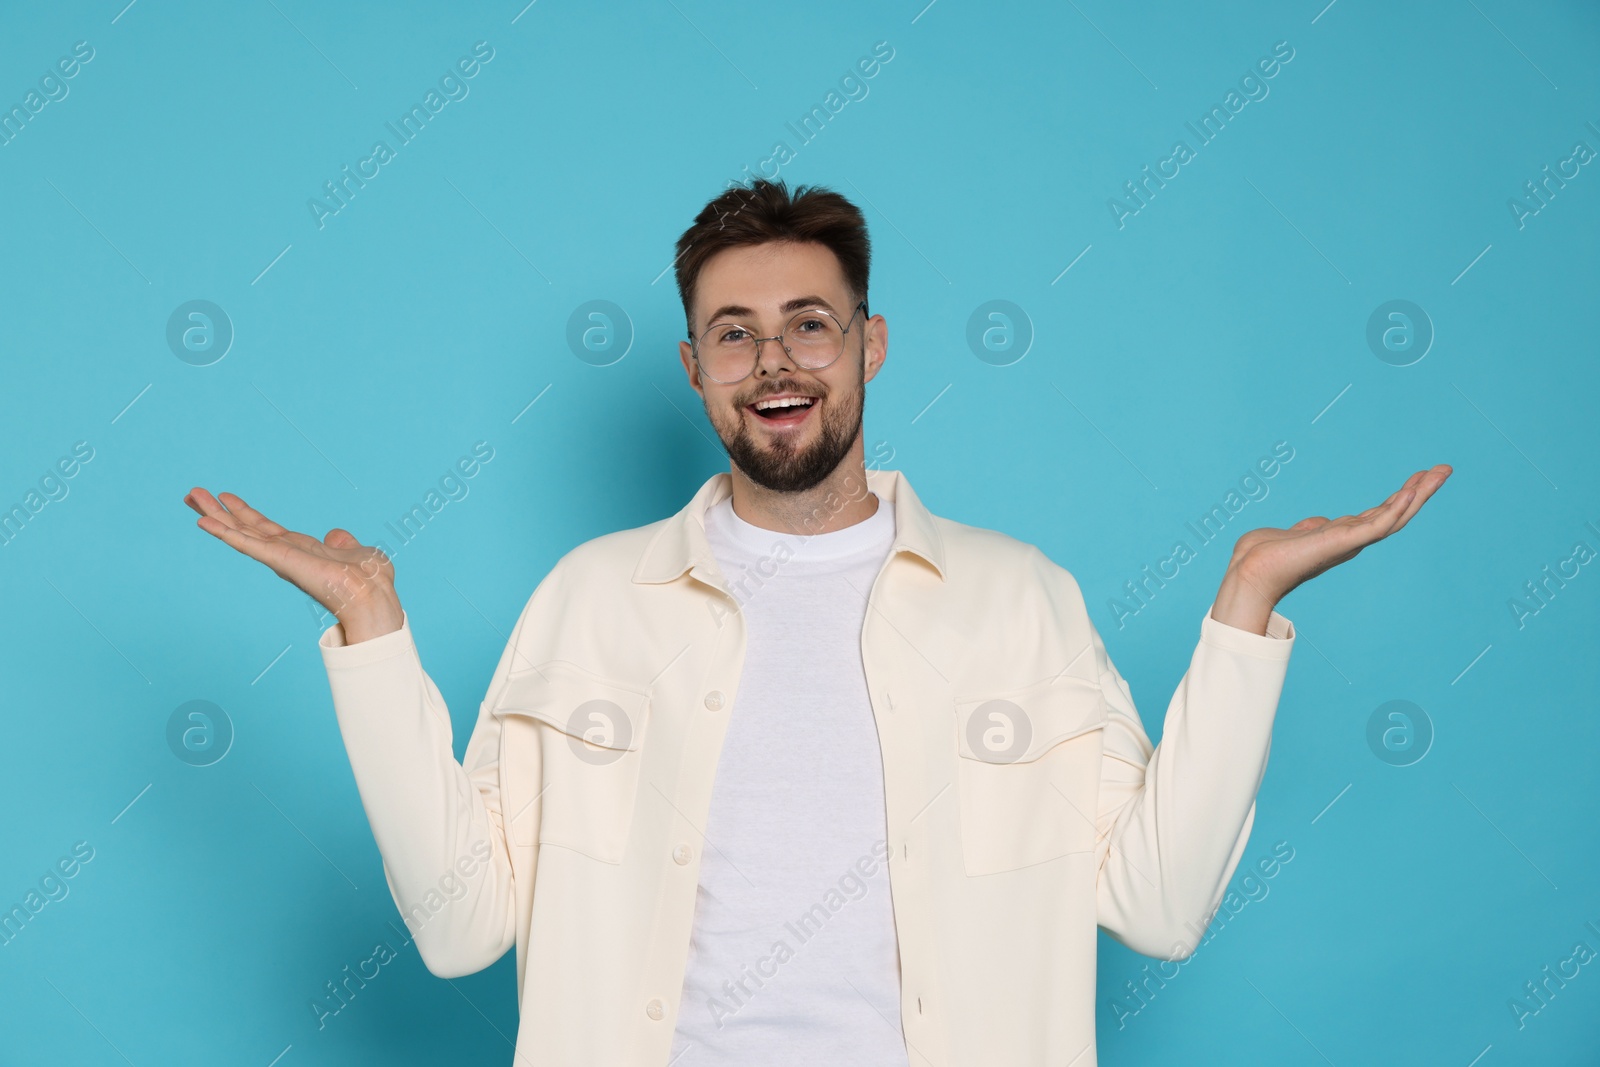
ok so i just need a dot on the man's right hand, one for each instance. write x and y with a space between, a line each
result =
352 580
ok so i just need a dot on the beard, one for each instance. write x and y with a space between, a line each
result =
784 466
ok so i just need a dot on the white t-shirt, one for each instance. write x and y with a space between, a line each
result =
793 958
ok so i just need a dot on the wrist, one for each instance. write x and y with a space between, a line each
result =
1244 602
376 613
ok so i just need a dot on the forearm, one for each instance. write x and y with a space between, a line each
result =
1177 819
428 817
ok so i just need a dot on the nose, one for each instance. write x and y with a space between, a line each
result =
772 358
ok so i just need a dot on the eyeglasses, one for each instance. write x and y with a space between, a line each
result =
728 352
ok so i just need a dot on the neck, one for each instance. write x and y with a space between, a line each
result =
839 500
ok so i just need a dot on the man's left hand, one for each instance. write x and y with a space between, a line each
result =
1269 563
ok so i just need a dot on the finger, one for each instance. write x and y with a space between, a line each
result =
1395 514
1398 498
250 516
1388 502
202 501
1424 489
281 558
234 537
1417 488
340 538
1383 521
1425 482
1314 522
258 524
1396 506
1349 534
209 507
1364 516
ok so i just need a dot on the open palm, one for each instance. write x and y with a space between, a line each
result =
338 571
1275 561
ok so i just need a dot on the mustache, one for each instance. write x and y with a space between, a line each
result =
792 389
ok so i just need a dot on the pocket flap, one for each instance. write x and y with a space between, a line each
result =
1020 725
579 703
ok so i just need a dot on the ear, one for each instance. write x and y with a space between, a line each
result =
877 342
691 368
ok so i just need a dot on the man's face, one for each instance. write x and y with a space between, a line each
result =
758 286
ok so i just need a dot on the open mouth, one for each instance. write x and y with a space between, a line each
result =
788 411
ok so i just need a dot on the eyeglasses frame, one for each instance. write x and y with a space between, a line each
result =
694 343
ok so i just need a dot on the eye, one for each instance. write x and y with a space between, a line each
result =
730 335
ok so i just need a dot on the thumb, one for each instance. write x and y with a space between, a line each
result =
339 538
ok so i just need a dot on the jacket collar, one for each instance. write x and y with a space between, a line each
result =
681 542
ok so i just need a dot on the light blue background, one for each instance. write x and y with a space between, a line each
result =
1229 314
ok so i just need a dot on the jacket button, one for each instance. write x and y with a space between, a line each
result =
682 854
714 700
654 1010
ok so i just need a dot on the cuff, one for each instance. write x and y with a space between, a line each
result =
1277 643
336 654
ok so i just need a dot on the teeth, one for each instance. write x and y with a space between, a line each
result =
785 402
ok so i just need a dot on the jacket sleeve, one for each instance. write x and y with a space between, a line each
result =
1173 820
437 823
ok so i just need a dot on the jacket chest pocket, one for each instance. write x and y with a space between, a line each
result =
1028 773
571 746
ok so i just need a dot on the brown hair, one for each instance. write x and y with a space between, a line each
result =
765 211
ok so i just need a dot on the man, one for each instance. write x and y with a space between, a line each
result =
804 773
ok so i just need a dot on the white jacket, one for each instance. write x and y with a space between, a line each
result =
1025 803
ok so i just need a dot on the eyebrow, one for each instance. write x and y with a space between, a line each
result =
787 306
